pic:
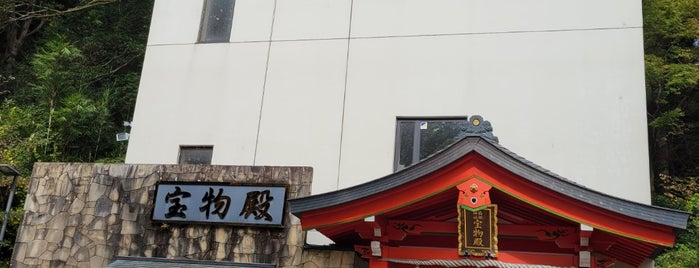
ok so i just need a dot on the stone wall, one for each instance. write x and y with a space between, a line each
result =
325 258
83 215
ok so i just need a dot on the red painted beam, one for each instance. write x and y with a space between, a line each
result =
419 253
573 209
541 232
475 166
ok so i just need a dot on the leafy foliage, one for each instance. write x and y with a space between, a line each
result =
66 92
671 34
681 193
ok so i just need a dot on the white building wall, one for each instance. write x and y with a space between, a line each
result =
561 82
302 111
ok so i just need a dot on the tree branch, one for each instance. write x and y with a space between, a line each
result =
29 10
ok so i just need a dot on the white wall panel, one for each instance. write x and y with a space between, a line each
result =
175 22
252 20
416 17
311 19
208 95
572 102
302 110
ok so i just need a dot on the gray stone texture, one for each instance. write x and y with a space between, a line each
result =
84 215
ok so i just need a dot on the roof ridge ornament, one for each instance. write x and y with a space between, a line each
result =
476 126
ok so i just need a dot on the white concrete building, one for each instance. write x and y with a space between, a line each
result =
325 84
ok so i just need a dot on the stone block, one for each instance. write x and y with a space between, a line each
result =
74 220
40 170
54 236
111 220
86 219
203 245
103 207
55 170
122 171
96 192
64 186
32 261
125 252
129 212
141 171
51 247
150 180
67 242
310 264
57 204
42 217
172 251
81 240
82 255
115 208
58 222
222 235
192 248
130 184
61 254
99 223
335 259
74 250
97 236
221 252
84 170
41 199
104 251
20 251
76 206
31 204
26 233
103 180
36 248
40 233
130 228
114 194
71 262
195 232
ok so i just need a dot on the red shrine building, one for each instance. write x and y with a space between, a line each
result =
477 204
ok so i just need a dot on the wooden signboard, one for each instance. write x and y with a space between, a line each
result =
220 203
478 232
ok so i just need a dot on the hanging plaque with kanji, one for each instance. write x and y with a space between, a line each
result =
478 229
478 232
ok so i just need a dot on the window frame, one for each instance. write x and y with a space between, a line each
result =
186 147
204 23
416 136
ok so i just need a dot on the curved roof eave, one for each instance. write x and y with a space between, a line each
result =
508 161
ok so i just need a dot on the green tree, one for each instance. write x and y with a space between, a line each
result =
671 29
671 34
20 20
68 86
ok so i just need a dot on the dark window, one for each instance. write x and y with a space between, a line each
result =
216 21
416 139
200 155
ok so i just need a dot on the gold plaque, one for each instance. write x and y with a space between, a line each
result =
478 231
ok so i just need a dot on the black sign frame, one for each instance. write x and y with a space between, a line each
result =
279 188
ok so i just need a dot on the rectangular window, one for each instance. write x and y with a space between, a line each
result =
418 138
216 21
199 155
